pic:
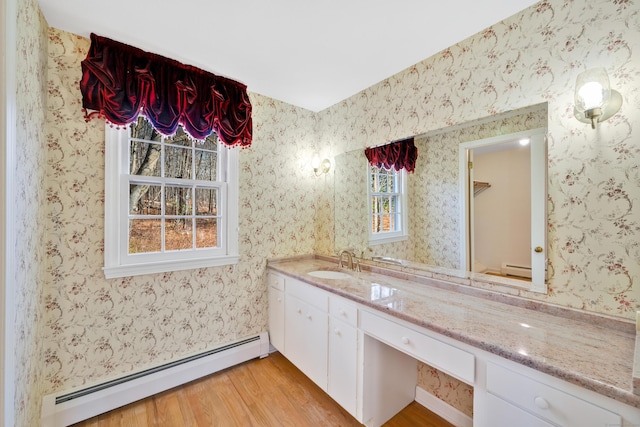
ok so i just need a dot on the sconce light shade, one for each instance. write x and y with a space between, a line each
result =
595 101
320 167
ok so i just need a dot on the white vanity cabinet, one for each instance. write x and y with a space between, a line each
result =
276 311
317 332
306 329
343 354
366 360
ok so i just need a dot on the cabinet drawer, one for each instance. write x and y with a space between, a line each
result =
275 281
436 353
546 402
503 414
344 310
309 294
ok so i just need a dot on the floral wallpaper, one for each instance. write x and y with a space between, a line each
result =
351 215
435 207
29 223
76 327
432 191
528 59
446 388
97 328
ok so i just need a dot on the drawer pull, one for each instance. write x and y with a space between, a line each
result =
405 340
541 402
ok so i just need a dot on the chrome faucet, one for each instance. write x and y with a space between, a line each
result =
352 261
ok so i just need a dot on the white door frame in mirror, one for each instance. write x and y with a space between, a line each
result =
538 201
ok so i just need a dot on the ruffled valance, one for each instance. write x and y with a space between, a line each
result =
397 155
119 82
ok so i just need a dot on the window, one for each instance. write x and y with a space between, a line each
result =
388 205
171 203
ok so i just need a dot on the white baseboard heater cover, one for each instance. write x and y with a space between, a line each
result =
515 270
69 407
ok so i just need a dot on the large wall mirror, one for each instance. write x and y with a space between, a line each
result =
438 230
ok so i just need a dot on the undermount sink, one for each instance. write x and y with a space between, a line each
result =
328 274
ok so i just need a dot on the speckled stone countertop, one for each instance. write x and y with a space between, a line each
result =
592 351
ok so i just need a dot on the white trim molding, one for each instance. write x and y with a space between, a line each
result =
118 262
72 406
443 409
8 14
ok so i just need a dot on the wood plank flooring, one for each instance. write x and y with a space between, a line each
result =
261 392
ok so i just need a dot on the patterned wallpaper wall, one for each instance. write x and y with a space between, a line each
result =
529 59
435 205
29 196
432 191
97 328
594 176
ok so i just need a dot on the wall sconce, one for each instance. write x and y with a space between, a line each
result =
320 167
595 101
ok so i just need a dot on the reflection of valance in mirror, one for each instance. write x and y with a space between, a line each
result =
119 82
397 155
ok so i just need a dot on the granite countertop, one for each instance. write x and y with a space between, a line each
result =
593 351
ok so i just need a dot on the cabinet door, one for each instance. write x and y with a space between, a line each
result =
306 339
276 318
343 354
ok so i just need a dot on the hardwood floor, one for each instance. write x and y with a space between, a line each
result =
262 392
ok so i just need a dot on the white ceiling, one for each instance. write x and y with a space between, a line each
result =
312 54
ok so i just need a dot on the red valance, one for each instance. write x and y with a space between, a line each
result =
396 155
119 82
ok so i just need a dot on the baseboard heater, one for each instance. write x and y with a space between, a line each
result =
72 406
515 270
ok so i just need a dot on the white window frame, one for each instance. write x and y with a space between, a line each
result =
117 260
401 234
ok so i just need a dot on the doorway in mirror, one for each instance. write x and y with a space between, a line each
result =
503 206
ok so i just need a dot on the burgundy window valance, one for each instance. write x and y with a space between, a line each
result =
119 82
397 155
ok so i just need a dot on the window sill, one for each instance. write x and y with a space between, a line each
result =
390 239
113 272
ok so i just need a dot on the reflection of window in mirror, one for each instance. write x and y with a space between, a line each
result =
388 205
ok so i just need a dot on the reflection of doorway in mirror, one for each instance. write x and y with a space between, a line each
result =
511 261
502 213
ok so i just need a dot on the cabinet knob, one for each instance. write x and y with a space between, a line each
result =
279 299
309 316
538 249
342 312
299 311
541 402
336 331
405 340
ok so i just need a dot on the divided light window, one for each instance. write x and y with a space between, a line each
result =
172 203
387 209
